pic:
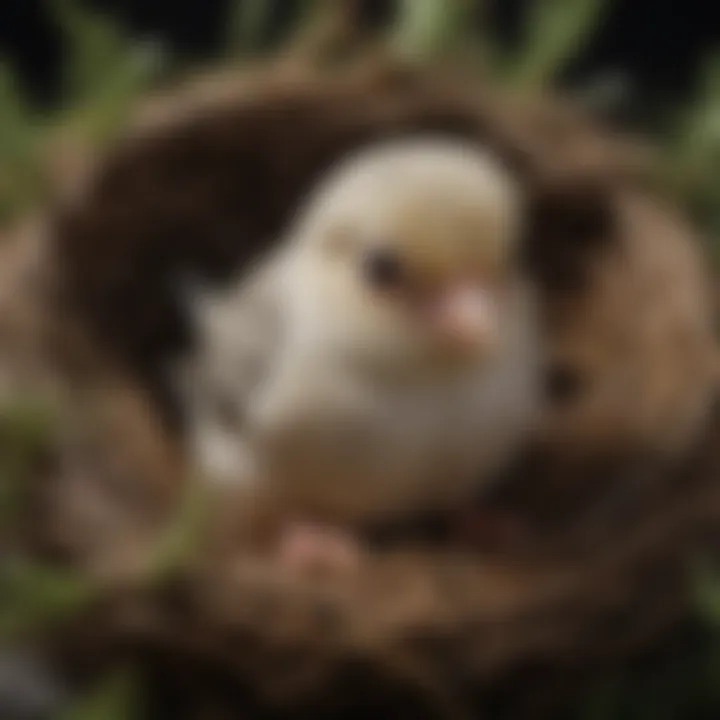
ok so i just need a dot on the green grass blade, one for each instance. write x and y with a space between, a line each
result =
427 27
114 699
248 22
20 176
555 31
106 70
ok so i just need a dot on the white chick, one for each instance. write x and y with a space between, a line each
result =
385 359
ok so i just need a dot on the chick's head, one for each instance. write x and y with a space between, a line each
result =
408 252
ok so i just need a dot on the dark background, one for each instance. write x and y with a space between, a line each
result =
659 43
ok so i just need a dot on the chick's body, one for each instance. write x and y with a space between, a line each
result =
331 376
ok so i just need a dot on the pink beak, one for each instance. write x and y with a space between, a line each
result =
464 316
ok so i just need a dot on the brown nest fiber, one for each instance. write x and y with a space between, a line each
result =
618 494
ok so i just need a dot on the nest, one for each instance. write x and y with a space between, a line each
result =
618 493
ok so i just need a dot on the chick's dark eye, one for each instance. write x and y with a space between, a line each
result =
382 268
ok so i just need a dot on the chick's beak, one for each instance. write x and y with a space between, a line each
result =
463 316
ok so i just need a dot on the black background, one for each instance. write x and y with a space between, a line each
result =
659 43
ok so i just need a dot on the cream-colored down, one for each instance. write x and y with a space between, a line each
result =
308 386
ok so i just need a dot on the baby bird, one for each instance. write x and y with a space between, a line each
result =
384 360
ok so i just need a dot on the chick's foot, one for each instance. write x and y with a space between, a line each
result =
308 548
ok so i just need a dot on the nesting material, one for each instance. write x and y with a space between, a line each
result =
617 495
